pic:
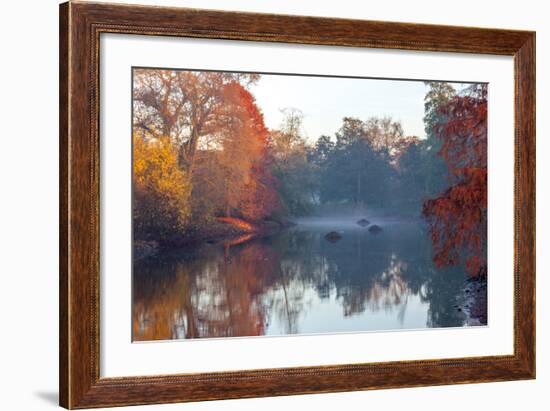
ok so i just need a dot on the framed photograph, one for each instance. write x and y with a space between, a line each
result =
259 205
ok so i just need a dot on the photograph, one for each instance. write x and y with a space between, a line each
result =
275 205
268 204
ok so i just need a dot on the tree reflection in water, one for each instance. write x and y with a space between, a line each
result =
296 282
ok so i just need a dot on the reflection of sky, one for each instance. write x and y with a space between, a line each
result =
297 282
326 316
324 101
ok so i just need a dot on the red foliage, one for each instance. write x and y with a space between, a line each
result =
458 217
260 197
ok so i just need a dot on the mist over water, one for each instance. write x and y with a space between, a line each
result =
298 282
214 186
343 222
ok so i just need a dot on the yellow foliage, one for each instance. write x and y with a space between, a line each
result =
161 189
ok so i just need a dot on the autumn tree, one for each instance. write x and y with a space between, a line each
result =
260 198
232 173
292 168
289 137
384 134
212 122
250 186
161 188
458 217
185 105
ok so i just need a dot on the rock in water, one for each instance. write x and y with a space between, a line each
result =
375 229
363 222
333 236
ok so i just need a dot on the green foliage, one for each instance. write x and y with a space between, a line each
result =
439 93
352 170
435 173
297 184
412 177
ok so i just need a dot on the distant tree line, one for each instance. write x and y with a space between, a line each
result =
372 163
203 152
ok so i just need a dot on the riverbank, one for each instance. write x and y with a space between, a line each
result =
226 230
472 301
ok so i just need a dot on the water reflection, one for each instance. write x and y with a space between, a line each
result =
297 282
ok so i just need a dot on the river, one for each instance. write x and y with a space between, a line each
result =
298 282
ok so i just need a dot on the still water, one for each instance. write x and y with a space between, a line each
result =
298 282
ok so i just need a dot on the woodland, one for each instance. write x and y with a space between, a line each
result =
205 165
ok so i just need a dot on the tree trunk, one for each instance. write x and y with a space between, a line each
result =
358 198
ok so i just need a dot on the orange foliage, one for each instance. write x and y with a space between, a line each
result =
458 217
258 198
238 223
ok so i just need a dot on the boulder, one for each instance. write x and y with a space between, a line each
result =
144 249
375 229
363 222
333 236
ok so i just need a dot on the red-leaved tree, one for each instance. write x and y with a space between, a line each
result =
259 197
458 216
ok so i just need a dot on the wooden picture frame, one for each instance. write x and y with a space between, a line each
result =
80 27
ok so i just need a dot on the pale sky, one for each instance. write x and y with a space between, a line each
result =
324 101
